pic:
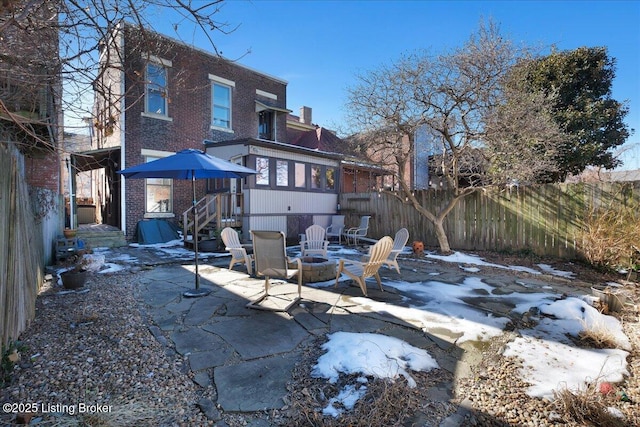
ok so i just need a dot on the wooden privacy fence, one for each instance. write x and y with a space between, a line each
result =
546 219
21 260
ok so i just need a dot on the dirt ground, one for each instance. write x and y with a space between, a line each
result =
582 270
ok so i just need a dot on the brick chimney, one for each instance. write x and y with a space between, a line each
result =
305 115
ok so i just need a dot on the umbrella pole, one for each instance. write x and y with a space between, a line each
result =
195 229
198 292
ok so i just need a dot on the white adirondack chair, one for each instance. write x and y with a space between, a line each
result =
315 242
237 250
359 271
399 241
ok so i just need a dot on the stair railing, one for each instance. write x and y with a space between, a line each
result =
227 209
205 211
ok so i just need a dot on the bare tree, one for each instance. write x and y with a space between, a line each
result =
485 131
44 42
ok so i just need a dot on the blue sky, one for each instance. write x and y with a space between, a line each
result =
319 46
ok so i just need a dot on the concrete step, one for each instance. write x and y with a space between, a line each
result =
102 239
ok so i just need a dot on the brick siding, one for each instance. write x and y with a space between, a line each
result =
189 108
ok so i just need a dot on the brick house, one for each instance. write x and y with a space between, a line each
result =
31 112
165 96
356 175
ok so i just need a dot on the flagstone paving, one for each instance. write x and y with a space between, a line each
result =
249 354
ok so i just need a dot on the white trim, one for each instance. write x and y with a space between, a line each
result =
146 152
158 60
222 84
123 141
156 116
261 106
159 215
222 80
220 128
267 94
155 153
159 63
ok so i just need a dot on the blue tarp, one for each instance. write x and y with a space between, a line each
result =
150 231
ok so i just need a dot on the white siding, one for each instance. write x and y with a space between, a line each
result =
227 152
274 223
322 220
290 202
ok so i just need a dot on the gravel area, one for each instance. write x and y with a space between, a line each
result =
498 397
96 347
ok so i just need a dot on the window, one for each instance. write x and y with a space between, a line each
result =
221 100
218 185
262 167
265 125
156 95
330 177
282 173
316 177
159 197
301 177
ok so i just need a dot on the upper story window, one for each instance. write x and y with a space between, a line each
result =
268 112
157 95
221 102
265 125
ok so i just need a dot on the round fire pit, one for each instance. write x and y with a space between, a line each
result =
316 269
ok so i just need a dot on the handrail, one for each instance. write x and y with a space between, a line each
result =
224 208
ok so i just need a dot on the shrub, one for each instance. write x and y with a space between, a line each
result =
10 356
611 237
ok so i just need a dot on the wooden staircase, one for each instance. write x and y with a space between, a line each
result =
212 213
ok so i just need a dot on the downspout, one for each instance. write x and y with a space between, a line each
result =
71 194
123 195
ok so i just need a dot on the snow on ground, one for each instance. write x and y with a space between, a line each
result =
548 269
549 359
374 355
438 305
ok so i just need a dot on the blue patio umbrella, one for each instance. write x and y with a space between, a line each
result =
189 164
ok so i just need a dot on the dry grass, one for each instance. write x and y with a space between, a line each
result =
590 407
587 407
611 235
594 338
385 403
597 336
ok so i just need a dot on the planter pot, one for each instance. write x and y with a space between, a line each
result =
69 233
614 298
208 245
73 279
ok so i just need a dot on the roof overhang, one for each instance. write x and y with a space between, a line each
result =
277 145
262 106
95 159
351 163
